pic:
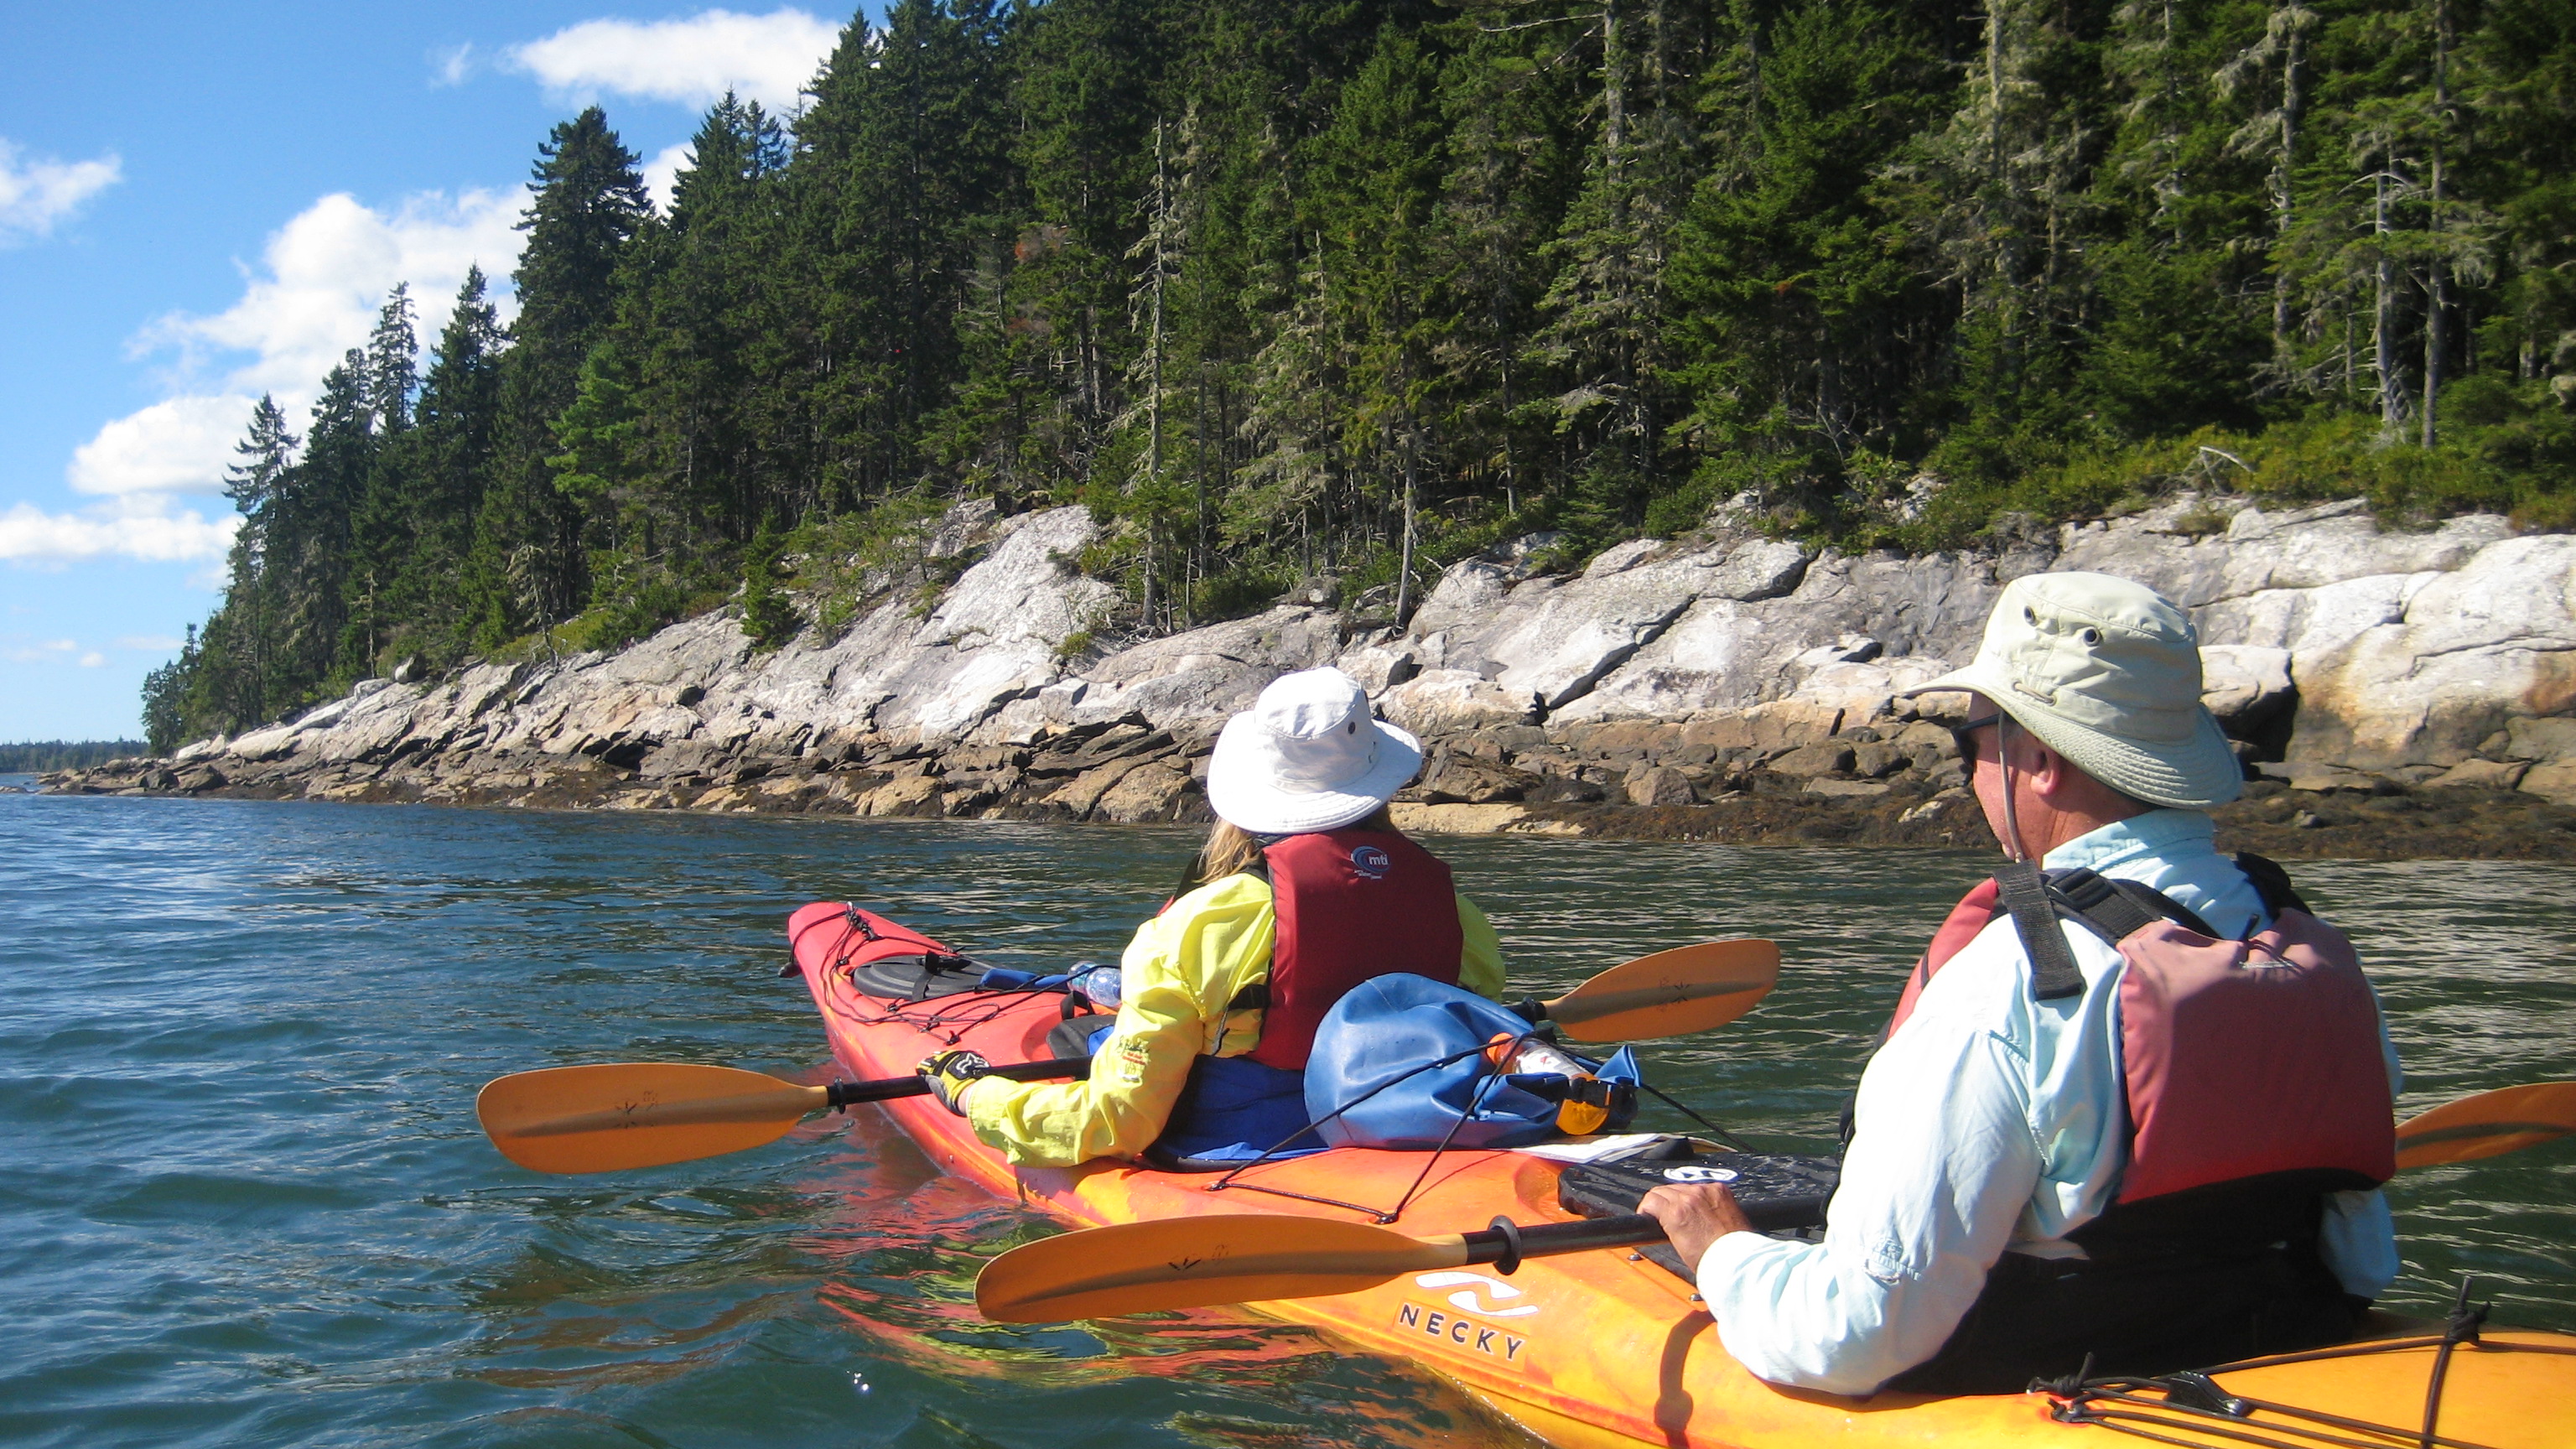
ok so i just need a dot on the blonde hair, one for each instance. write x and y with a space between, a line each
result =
1231 849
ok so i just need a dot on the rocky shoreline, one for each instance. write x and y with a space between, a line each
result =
2395 694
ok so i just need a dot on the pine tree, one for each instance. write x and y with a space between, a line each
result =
587 202
253 485
450 458
2275 130
392 366
384 517
1806 332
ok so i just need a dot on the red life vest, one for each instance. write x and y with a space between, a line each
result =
1352 904
2239 1059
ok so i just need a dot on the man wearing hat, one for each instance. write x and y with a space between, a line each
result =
2132 1112
1303 890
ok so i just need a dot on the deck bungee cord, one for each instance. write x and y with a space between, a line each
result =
2119 1402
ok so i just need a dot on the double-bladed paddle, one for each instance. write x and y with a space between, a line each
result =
2488 1124
644 1114
1200 1262
1670 993
1203 1262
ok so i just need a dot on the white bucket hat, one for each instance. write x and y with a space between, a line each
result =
2107 673
1308 756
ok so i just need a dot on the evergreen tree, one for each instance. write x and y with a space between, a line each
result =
1298 293
449 457
529 565
392 366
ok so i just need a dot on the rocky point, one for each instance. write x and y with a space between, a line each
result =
2394 693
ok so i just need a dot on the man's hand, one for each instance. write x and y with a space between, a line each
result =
1695 1216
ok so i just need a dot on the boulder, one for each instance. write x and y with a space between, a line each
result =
2541 739
2469 651
2554 782
1556 637
1465 819
1441 702
2293 550
2244 685
1148 792
1899 621
1829 758
1379 667
1658 785
907 796
1464 779
1083 793
2480 775
1205 674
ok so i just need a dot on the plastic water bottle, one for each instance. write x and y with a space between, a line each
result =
1101 983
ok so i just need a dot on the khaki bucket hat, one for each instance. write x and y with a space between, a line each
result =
2106 672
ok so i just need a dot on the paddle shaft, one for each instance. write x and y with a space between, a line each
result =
786 1102
1506 1244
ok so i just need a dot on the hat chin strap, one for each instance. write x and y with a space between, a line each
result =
2003 760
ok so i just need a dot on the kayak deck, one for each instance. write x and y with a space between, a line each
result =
1604 1348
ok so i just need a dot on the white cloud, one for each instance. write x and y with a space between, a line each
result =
179 446
767 58
36 194
92 660
451 66
328 271
21 650
324 276
140 527
662 173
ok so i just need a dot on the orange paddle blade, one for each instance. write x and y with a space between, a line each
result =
1198 1262
2488 1124
1671 993
636 1114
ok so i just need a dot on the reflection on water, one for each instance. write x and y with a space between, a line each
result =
248 1203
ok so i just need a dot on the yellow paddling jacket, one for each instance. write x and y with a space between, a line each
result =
1178 974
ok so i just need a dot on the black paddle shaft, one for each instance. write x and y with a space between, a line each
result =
1506 1243
847 1093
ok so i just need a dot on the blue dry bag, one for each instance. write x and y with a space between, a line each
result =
1372 1057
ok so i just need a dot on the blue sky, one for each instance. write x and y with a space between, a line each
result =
200 202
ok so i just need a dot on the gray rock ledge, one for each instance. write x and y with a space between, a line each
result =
1693 681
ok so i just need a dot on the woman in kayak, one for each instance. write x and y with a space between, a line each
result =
1309 891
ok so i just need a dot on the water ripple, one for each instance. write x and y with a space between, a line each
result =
248 1202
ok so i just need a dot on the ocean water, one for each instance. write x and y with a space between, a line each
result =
243 1199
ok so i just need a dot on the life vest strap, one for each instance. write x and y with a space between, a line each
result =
2111 909
2025 894
2272 883
2118 909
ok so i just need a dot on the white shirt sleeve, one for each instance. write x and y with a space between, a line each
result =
2358 1238
1939 1172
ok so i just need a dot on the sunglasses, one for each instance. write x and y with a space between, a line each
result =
1965 736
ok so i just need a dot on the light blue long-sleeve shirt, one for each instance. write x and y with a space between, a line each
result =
1990 1122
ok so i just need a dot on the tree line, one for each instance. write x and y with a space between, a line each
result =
38 756
1334 293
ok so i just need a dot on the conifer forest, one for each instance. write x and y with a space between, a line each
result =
1327 294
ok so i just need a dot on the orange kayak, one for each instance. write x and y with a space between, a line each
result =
1606 1348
